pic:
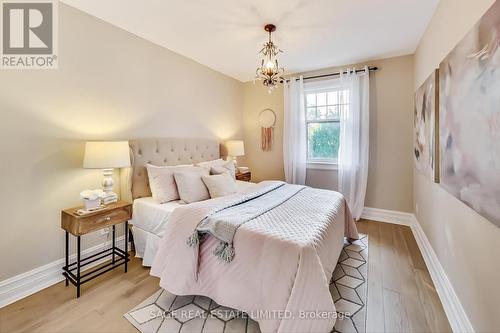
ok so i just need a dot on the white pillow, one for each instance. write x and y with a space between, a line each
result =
215 167
219 170
190 185
208 164
162 182
220 185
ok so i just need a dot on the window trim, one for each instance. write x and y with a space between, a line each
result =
317 88
322 164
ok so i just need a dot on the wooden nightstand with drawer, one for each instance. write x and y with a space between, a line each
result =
79 225
244 176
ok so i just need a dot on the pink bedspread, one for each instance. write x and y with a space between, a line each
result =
281 271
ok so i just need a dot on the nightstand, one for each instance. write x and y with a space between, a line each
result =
244 176
79 225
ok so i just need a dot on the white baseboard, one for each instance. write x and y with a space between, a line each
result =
389 216
25 284
454 310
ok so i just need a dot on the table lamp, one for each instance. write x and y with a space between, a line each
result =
107 155
235 148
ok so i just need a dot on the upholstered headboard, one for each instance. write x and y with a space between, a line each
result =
161 151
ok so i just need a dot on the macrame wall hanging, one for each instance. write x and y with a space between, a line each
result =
267 121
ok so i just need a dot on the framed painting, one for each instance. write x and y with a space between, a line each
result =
470 118
425 127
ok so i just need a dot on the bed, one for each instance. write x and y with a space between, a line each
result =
278 263
149 218
148 223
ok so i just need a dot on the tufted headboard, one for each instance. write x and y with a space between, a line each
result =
161 151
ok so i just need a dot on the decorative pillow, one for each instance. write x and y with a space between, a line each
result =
220 185
215 167
162 182
231 167
190 185
219 170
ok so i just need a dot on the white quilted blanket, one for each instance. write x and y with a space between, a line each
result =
285 258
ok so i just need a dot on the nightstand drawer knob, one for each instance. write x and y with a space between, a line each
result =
107 219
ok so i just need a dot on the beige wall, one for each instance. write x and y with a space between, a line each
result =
466 244
264 165
110 85
391 111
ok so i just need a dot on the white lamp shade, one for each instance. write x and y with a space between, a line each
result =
106 155
235 148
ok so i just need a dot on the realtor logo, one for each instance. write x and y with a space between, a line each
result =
29 34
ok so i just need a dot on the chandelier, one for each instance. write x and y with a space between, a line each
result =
269 71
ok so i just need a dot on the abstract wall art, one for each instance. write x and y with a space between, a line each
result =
425 125
470 118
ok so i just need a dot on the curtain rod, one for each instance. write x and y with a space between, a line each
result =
371 69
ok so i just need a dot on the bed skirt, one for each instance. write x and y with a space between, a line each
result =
146 245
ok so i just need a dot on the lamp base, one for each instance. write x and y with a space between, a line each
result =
232 158
107 187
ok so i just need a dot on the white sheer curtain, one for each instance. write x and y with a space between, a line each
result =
354 132
294 132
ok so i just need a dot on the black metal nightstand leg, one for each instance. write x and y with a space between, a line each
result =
126 245
67 251
78 268
113 246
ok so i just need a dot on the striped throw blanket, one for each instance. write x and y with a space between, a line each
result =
223 221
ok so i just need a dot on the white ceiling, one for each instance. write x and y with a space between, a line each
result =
227 34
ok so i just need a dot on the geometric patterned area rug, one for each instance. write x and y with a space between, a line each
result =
349 286
164 312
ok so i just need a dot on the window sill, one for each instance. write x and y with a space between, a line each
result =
322 166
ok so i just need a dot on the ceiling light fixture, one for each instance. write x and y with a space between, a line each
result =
269 71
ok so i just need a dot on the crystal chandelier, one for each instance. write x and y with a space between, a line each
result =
269 71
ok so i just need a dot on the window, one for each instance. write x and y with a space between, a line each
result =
323 109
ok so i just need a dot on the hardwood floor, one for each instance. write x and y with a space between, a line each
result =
401 295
